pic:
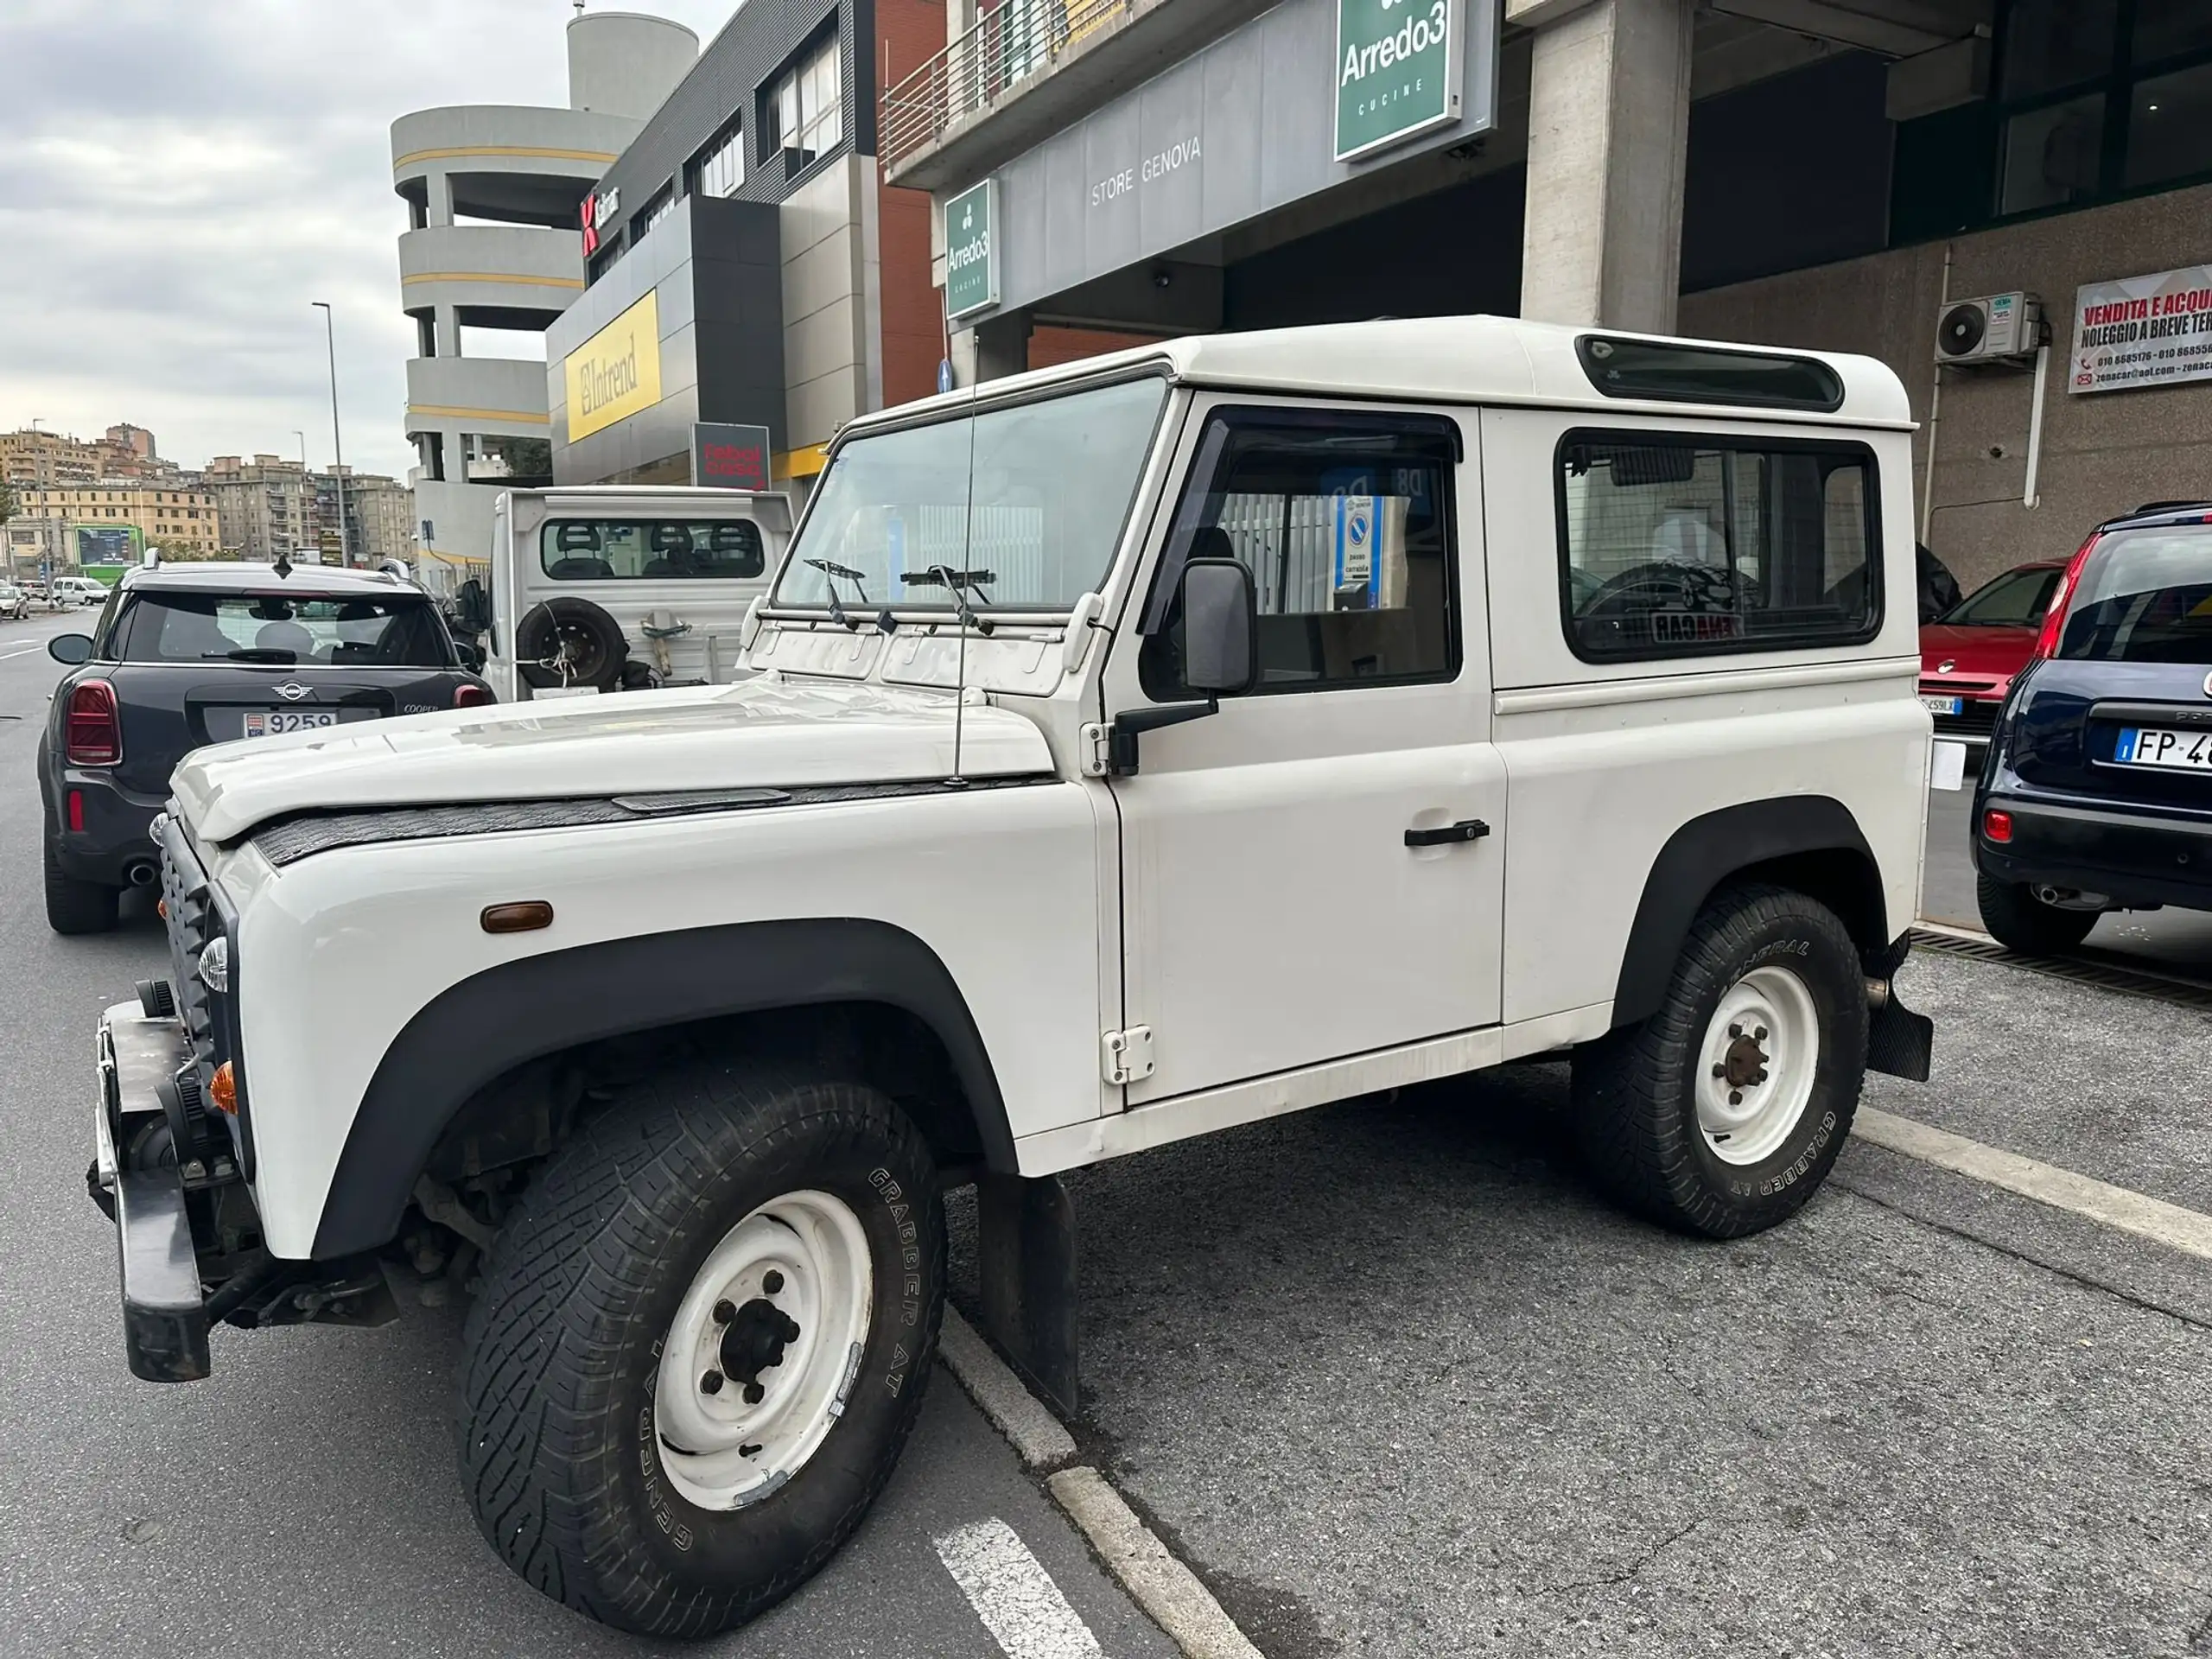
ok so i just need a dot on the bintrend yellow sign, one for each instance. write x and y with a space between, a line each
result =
617 371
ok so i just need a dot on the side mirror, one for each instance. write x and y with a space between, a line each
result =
471 655
1221 627
70 648
472 608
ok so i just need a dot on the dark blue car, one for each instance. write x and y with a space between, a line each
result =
2096 792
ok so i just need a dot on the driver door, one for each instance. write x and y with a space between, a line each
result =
1275 914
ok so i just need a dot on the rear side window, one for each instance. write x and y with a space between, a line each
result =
609 549
1687 544
2145 596
2016 599
295 630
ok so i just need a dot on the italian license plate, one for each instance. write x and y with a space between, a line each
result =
1943 705
268 722
2153 746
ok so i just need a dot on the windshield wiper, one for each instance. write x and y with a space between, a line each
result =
834 571
276 654
944 575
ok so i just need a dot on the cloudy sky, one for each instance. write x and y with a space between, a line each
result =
180 178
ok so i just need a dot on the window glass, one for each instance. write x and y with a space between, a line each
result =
2053 44
803 111
2016 599
2167 29
663 204
2053 156
1676 546
2145 596
1692 374
720 167
296 629
1344 521
606 550
2170 127
1034 496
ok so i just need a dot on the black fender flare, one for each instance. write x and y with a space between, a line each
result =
1708 850
487 1024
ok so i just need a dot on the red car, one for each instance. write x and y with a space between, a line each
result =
1969 654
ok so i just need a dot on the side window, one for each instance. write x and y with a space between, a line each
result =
1344 520
1676 545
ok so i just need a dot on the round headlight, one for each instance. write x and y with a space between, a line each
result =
215 965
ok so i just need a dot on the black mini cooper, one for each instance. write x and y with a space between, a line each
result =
184 654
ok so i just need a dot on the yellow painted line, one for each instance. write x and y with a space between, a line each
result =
576 283
451 413
525 151
2116 1207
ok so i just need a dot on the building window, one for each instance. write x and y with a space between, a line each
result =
802 112
2054 155
719 168
2170 127
663 204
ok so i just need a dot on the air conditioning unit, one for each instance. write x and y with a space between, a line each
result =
1995 327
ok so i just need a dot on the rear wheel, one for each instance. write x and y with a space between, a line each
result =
75 906
2019 920
702 1341
1722 1112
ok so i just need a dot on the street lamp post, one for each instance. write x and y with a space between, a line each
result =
337 449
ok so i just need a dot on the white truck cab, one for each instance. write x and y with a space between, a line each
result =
1128 751
613 588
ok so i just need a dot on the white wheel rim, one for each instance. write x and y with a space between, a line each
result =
1757 1065
802 1260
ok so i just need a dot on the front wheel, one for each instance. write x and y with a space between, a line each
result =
1722 1112
702 1342
2019 920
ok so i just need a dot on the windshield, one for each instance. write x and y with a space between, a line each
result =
2145 596
1031 497
605 549
2016 599
299 629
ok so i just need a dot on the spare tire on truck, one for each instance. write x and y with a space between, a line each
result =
569 642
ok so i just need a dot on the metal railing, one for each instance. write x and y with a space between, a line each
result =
1020 38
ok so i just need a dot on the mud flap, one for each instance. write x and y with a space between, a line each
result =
1899 1042
1026 1242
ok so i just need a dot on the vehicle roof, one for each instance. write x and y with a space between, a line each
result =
242 575
2195 512
1472 359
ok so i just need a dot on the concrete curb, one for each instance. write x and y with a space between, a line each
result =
1162 1585
1168 1591
1037 1436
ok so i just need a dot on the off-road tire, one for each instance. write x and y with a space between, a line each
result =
597 647
558 1447
76 906
1634 1095
2019 921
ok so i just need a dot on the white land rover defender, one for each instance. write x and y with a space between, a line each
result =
1135 749
620 587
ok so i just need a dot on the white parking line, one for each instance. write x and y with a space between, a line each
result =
25 651
1013 1595
2169 1224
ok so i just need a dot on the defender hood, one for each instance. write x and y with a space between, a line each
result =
758 733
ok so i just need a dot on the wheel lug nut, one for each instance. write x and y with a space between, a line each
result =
754 1393
725 1311
1759 1034
1719 1070
771 1281
711 1383
1760 1078
1735 1097
1735 1031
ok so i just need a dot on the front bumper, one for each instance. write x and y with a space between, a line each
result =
2134 859
164 1311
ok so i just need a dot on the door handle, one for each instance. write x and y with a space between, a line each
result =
1466 830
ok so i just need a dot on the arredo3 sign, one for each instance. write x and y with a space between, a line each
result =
971 264
1398 71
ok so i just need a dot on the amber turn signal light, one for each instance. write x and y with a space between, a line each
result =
526 916
223 1088
161 908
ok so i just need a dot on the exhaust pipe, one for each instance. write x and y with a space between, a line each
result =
142 874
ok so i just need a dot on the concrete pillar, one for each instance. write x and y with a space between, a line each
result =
1609 99
1002 345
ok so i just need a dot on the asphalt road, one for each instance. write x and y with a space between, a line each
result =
304 1499
1387 1374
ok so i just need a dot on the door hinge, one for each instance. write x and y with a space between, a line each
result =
1097 749
1129 1055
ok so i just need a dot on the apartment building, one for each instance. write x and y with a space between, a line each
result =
115 520
379 518
264 506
